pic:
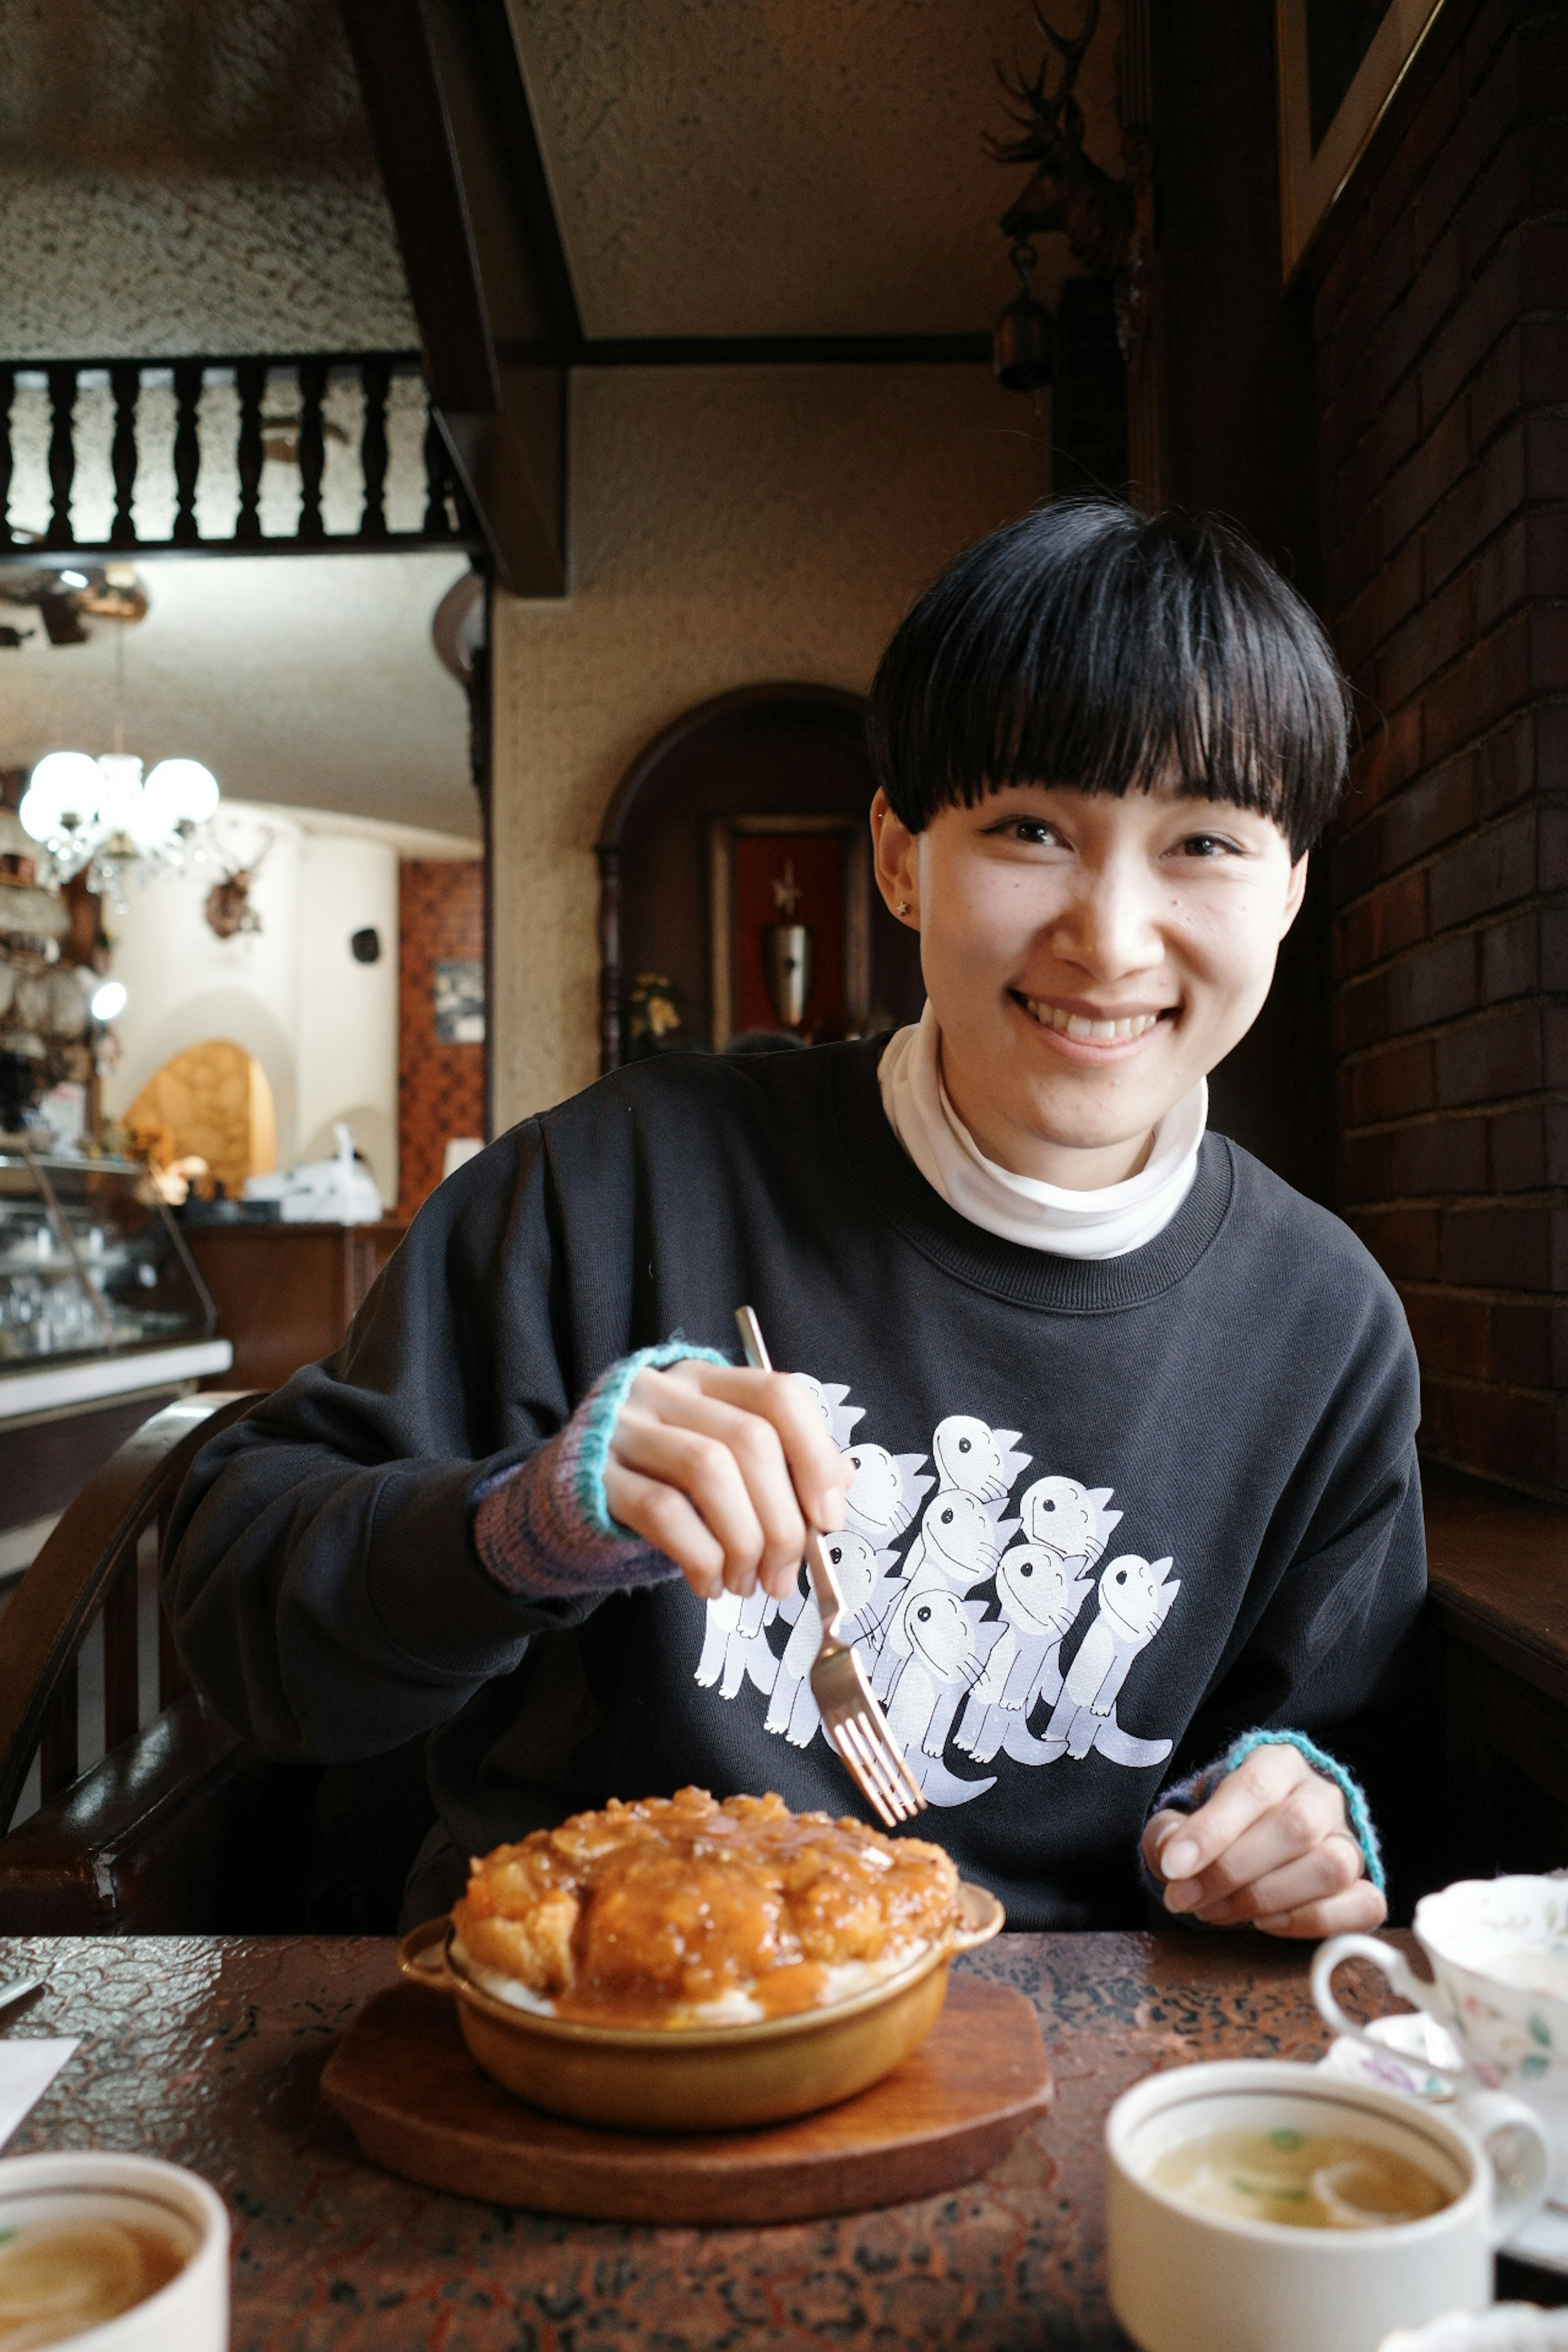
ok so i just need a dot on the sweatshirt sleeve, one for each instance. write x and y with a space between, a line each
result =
320 1575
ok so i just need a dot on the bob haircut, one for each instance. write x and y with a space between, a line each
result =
1089 646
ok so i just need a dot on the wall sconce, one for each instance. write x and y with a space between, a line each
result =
1023 340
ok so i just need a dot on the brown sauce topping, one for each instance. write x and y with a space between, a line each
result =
641 1913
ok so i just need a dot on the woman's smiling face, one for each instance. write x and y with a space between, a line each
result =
1088 959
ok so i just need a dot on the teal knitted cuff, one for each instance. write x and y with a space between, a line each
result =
598 1427
1356 1810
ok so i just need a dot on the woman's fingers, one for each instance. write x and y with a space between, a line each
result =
818 1471
1260 1783
756 1449
1359 1908
1327 1870
662 1515
705 1471
1310 1813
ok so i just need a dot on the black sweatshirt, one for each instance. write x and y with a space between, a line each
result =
1202 1452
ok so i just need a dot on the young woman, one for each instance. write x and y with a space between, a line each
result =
1112 1431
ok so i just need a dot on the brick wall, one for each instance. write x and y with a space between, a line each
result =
440 1088
1442 324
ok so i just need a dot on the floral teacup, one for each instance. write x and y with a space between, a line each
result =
1498 1952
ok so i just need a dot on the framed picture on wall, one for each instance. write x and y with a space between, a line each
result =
790 926
1340 62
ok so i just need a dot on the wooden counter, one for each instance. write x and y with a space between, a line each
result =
287 1293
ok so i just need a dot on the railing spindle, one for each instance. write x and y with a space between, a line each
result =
188 376
312 447
250 378
122 1708
125 382
375 377
438 519
58 1759
7 395
62 455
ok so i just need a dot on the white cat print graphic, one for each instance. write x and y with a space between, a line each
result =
960 1602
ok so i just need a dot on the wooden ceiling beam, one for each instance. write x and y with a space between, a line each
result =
445 128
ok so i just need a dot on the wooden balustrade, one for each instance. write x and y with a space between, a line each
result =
195 443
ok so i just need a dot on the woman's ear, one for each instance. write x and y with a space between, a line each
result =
1295 891
894 848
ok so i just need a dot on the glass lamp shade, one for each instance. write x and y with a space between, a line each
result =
64 789
180 793
119 801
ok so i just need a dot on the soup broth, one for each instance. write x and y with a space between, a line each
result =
1310 2181
58 2279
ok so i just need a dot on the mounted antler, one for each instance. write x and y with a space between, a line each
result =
1108 224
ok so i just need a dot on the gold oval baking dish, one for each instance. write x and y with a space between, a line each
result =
700 2078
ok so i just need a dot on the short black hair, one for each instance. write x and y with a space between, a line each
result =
1089 646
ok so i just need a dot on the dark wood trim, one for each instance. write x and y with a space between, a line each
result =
1499 1569
769 350
444 142
496 46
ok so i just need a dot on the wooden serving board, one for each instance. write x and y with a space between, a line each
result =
402 2081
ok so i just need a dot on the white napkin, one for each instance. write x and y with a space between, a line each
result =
27 2070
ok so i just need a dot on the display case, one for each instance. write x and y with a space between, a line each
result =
91 1263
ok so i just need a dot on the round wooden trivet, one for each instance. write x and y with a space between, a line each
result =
418 2106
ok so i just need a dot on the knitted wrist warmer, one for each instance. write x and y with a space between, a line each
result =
1186 1796
543 1530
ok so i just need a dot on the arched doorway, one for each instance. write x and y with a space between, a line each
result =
213 1102
766 786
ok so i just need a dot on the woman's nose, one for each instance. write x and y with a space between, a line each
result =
1111 923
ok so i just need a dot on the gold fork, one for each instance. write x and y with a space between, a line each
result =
852 1714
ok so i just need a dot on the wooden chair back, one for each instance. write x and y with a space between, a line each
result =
91 1564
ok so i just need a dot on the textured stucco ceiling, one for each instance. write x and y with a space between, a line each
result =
774 167
309 681
182 176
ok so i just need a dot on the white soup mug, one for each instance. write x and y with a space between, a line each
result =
80 2186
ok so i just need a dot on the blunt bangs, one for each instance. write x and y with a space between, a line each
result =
1087 646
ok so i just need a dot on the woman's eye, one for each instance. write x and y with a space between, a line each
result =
1033 830
1206 844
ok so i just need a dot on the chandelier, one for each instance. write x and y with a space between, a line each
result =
104 816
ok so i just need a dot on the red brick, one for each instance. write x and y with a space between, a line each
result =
1491 1060
1544 360
1477 129
1506 763
1436 983
1391 918
1510 958
1554 950
1421 484
1435 122
1409 329
1387 600
1353 855
1364 1162
1546 453
1386 758
1393 1083
1451 1334
1516 1150
1489 309
1361 1014
1493 678
1502 1433
1492 490
1440 1155
1402 1241
1497 1247
1385 279
1348 562
1433 811
1555 1046
1340 280
1543 63
1523 1343
1428 641
1486 873
1500 578
1554 1118
1543 265
1555 849
1508 188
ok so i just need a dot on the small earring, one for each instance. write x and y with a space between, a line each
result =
902 908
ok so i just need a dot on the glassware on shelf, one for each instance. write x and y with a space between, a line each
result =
90 1261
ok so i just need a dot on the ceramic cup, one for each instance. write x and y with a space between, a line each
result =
1185 2280
1513 2037
189 2315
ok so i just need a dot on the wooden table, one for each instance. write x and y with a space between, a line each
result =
208 2050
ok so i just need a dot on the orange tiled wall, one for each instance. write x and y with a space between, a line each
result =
440 1089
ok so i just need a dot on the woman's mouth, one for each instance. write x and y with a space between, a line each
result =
1118 1029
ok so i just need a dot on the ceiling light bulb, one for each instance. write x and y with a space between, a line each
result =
109 999
181 791
65 788
73 580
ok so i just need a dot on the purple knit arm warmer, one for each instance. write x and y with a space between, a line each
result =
543 1532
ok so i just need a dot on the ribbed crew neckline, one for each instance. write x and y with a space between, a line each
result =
1007 1270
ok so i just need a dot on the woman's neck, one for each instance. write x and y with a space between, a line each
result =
1071 1167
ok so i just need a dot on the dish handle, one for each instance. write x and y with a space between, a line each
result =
421 1958
981 1917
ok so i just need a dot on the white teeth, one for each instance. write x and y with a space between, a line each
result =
1099 1032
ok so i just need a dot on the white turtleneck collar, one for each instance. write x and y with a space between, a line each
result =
1105 1224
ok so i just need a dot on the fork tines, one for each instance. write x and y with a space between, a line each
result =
875 1764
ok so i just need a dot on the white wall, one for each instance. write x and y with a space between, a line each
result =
324 1027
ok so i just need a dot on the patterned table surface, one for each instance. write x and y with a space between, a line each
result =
208 2050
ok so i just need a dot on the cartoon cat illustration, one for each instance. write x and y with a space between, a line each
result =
792 1708
956 1547
886 1492
1040 1603
931 1636
977 1459
1066 1518
1135 1598
735 1645
838 1417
